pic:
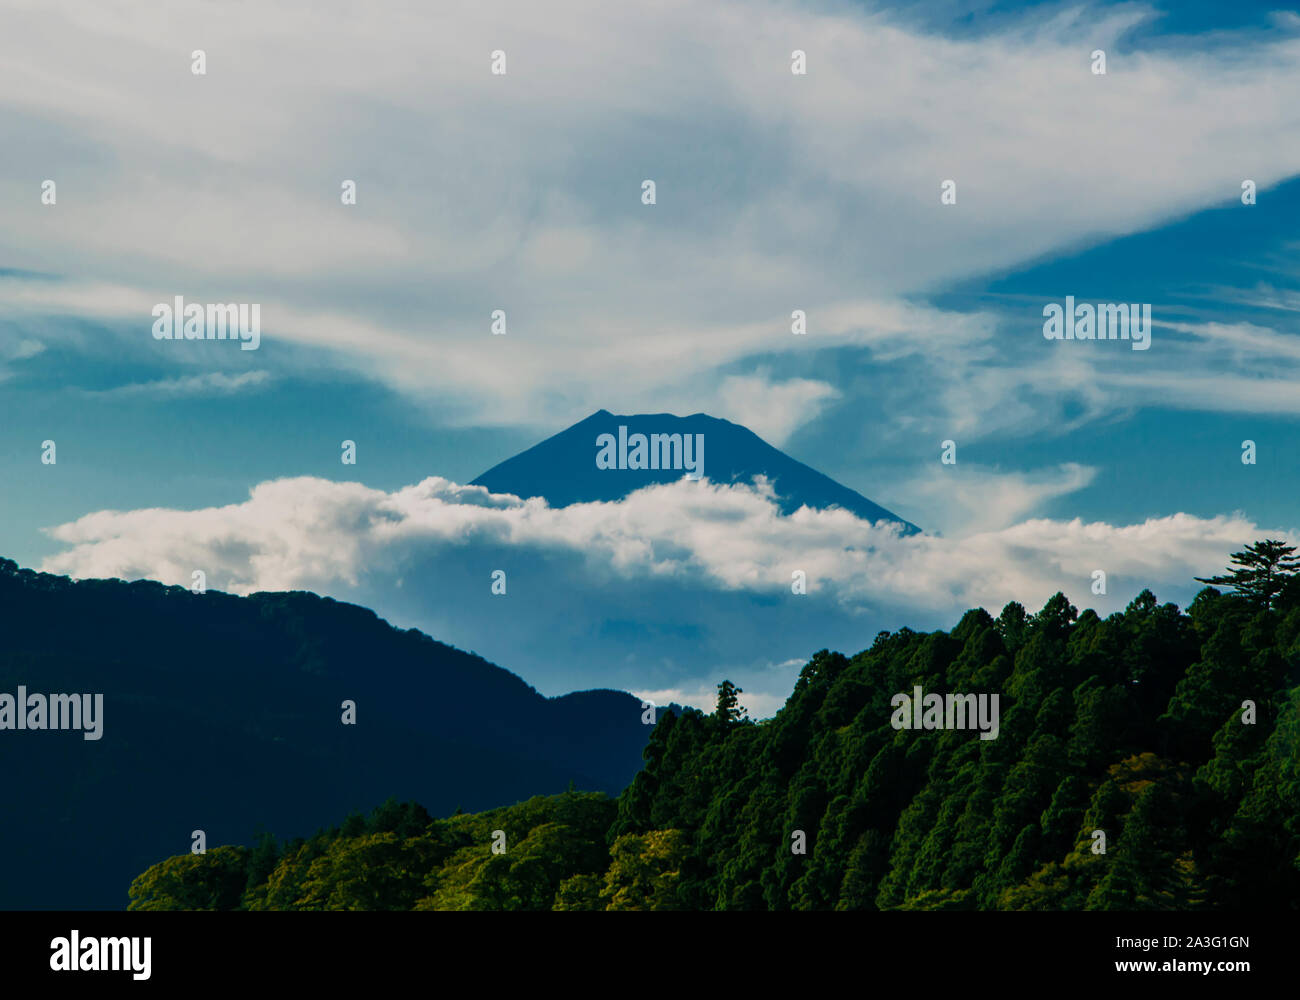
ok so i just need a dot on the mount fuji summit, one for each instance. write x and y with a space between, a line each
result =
608 456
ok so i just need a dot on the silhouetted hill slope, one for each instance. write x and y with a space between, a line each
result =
563 467
224 713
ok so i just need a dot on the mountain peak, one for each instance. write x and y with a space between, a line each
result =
606 456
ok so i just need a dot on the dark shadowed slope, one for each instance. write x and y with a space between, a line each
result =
223 714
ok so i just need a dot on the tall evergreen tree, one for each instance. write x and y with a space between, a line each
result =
729 708
1259 573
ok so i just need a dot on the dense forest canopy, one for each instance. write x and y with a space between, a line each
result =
1176 736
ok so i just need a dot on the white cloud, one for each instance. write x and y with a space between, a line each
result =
759 705
966 498
16 348
772 410
308 533
209 384
663 593
522 192
25 349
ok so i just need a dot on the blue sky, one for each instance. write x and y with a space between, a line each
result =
775 192
1186 23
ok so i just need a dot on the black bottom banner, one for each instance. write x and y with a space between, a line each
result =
84 950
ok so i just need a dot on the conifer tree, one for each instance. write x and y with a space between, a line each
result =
1260 573
729 708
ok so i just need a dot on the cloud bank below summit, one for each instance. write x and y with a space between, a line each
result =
677 565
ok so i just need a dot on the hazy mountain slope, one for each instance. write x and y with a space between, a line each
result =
223 713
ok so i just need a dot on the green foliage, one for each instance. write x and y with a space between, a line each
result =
729 709
1260 573
399 858
1130 725
644 870
213 880
579 892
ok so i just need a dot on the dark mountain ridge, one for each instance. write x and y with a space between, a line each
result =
223 713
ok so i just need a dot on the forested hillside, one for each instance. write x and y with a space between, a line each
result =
1136 725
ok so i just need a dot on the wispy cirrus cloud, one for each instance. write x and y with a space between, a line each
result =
776 192
208 384
968 498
